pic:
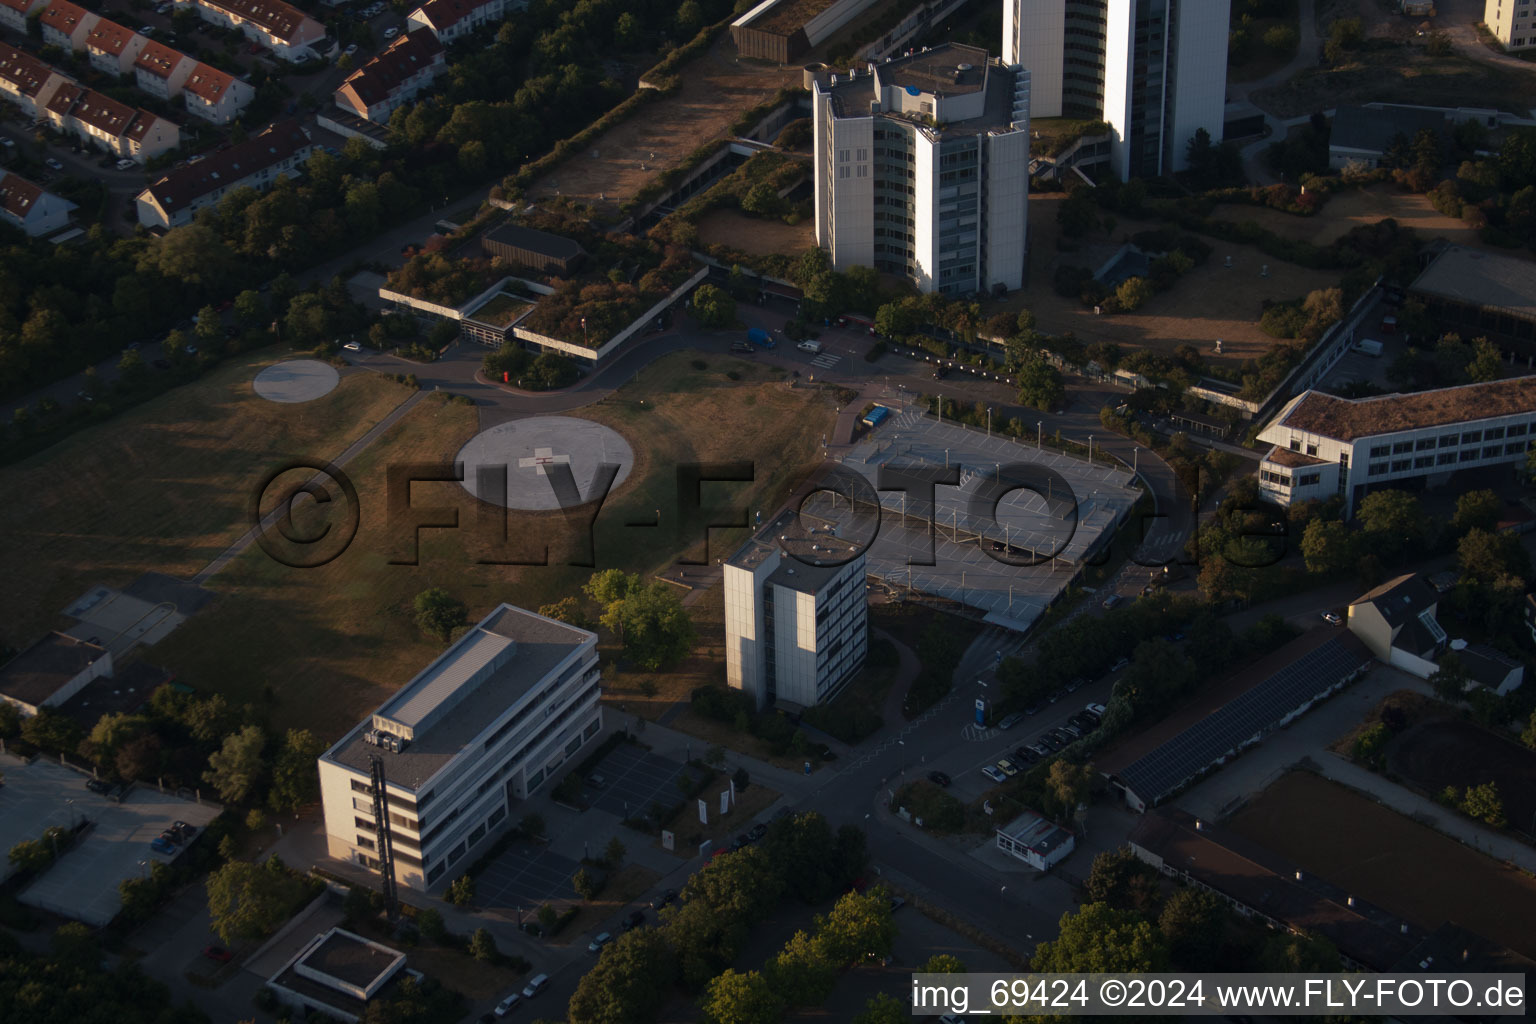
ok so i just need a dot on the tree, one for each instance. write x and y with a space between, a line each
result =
235 768
859 923
585 884
1528 734
656 632
1393 519
626 31
31 855
295 778
208 329
430 924
1133 293
1123 881
439 613
748 998
1040 384
942 963
1487 558
630 982
251 901
250 307
131 367
1298 954
801 972
461 891
1477 510
10 719
1098 938
357 906
613 854
1486 364
255 821
1069 784
568 610
483 947
1483 802
1193 922
797 846
713 307
1325 546
1450 678
611 586
884 1009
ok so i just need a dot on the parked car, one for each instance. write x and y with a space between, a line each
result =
218 954
1033 709
1026 755
1333 618
596 945
391 32
146 30
994 773
97 785
162 364
536 984
596 781
1007 767
1111 601
1121 664
352 346
505 1006
54 164
757 832
1096 710
666 899
350 50
634 920
125 164
160 845
897 903
171 836
1011 720
938 779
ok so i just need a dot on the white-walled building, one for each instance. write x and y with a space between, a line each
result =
118 128
1397 622
1324 445
1512 22
1154 70
1035 841
795 632
13 13
922 169
395 77
450 19
111 48
51 671
175 198
66 25
161 71
215 95
483 726
283 28
30 208
27 82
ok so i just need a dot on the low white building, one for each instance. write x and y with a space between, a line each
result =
1324 445
1512 22
1035 841
337 973
30 208
795 632
215 95
1489 668
448 756
51 671
1397 622
282 28
922 169
175 198
452 19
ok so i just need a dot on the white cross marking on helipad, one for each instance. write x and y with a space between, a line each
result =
543 457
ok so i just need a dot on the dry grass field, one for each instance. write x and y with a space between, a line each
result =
346 629
1210 302
715 91
1358 207
1389 860
161 487
756 235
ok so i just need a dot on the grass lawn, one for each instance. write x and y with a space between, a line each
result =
624 886
1356 208
346 629
162 486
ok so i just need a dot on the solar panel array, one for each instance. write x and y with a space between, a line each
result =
1158 773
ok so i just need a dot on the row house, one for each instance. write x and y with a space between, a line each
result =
450 19
13 13
283 28
112 49
135 134
27 206
26 81
175 198
160 70
215 95
66 25
393 78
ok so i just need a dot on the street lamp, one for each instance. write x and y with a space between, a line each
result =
1039 434
1090 449
1136 460
989 421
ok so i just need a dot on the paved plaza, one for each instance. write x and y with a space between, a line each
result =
1006 539
549 462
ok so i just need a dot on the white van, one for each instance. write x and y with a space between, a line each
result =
1368 347
809 346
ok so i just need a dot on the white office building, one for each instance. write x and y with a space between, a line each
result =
922 169
1325 445
484 725
1154 70
795 632
1512 22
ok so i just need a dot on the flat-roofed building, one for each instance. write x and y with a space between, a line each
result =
1513 26
1326 445
338 973
1037 842
30 208
783 30
13 13
161 71
483 726
537 250
1364 135
393 78
66 25
922 169
1481 294
111 48
174 198
51 671
27 82
215 95
795 632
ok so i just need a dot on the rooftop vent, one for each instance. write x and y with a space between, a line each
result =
1298 876
962 68
1199 825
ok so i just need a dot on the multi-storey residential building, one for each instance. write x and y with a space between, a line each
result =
161 71
1325 445
1154 70
450 19
13 13
255 163
437 769
215 95
66 25
286 30
26 81
120 129
394 77
30 208
795 632
111 48
922 169
1512 22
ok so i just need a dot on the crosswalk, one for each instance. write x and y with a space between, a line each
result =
827 360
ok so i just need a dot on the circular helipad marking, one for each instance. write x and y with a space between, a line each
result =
550 462
296 380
